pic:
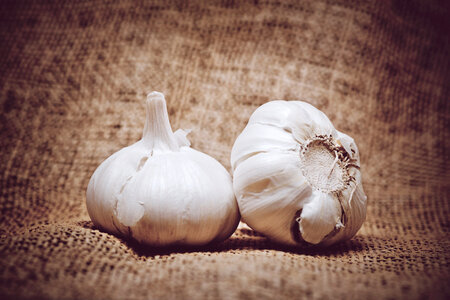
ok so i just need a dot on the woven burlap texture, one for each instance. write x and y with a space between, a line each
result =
73 82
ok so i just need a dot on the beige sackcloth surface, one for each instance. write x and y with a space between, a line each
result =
73 82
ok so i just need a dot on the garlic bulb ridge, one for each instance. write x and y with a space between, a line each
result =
160 191
296 178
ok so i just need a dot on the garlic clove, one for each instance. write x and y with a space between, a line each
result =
353 214
301 120
319 217
130 198
270 191
107 182
261 138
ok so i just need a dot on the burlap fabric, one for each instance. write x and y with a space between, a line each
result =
73 80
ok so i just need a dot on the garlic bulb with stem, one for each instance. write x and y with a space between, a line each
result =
296 178
159 191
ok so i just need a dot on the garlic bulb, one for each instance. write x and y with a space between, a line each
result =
296 178
160 191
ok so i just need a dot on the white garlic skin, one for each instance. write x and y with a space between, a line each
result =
160 191
296 178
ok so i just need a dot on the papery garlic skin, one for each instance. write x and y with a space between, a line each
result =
296 178
160 191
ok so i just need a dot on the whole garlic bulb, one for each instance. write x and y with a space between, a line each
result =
296 178
160 191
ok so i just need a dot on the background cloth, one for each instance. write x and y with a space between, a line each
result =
73 83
